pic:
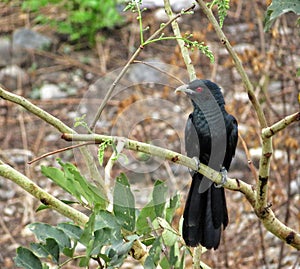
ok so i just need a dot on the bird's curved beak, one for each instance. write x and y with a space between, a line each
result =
184 88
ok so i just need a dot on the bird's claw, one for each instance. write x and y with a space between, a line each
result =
224 178
197 161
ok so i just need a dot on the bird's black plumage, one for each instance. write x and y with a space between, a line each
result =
210 134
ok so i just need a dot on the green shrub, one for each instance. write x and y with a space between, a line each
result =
81 18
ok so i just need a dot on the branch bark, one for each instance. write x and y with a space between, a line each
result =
267 216
60 126
44 197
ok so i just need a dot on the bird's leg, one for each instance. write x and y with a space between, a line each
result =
224 178
197 161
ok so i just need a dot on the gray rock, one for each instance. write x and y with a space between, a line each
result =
13 76
23 39
51 91
5 51
29 39
141 73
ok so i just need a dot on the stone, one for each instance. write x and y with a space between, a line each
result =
5 51
51 91
13 77
25 38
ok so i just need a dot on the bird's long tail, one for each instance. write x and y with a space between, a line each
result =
204 214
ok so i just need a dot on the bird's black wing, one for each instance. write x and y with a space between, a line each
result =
192 146
232 138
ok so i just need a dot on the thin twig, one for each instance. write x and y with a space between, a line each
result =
160 70
184 50
280 125
249 161
125 68
59 150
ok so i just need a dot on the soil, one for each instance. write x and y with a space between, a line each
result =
146 108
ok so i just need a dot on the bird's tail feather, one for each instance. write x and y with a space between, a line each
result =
205 212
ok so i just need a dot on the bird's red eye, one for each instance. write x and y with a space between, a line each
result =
199 89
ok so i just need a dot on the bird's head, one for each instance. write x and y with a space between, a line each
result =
203 90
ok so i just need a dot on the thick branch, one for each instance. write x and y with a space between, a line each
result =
264 165
165 154
60 126
280 125
25 183
45 116
267 216
238 64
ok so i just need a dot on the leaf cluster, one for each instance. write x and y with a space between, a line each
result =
82 18
103 236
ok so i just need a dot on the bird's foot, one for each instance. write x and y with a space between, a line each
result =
224 178
197 161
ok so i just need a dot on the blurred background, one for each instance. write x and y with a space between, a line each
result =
64 61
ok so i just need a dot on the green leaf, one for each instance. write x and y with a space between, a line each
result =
73 182
279 7
173 206
72 231
43 231
26 259
223 6
159 195
169 235
101 149
174 255
155 208
164 263
119 251
50 248
124 203
154 254
146 215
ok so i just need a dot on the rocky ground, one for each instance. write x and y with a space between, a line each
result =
68 82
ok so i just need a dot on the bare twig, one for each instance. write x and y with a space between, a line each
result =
125 68
184 50
160 70
59 150
280 125
250 163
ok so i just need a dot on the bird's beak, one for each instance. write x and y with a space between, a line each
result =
184 88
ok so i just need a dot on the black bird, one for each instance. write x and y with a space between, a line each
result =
211 136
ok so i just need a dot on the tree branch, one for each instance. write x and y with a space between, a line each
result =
264 164
267 216
280 125
184 50
238 64
60 126
44 197
165 154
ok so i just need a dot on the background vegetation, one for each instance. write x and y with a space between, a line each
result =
110 235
